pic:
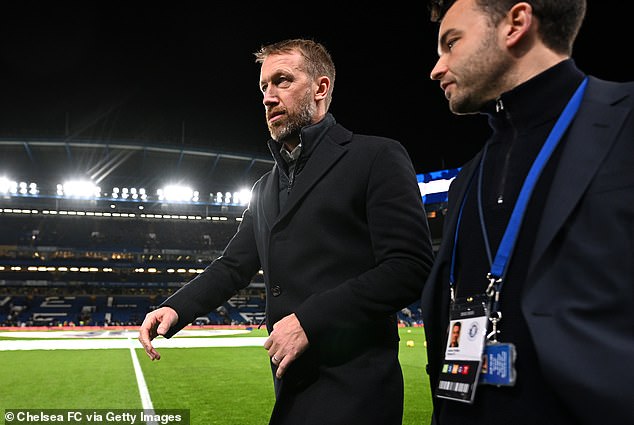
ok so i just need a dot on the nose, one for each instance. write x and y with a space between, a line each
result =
270 96
438 70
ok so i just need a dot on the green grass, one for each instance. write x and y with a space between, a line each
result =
417 404
218 385
227 386
64 379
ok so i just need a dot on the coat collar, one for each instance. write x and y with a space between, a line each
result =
310 136
321 153
540 99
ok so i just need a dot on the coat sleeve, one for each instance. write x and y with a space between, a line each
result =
401 243
230 272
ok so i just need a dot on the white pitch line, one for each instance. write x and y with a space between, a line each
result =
146 400
95 343
114 334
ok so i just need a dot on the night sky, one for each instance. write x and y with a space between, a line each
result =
187 76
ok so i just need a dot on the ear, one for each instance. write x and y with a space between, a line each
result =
519 20
323 85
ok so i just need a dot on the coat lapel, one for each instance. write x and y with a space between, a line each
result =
270 197
325 155
590 138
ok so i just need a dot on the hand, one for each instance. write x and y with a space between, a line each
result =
156 323
286 343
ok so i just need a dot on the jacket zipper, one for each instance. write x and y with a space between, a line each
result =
291 179
499 107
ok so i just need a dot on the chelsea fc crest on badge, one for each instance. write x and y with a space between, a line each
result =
473 331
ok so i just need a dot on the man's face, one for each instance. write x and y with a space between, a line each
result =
472 62
288 95
455 334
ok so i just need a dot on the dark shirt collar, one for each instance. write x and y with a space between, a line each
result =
537 100
292 156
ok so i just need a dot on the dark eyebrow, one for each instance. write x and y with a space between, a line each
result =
446 35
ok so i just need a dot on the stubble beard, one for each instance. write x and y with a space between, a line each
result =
482 75
295 121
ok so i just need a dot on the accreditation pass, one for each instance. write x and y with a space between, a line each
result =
463 354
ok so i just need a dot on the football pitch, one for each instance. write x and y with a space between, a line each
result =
212 377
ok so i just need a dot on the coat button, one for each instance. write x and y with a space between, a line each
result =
276 290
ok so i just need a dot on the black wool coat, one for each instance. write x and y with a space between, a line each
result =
349 249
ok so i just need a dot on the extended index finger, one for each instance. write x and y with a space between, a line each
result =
147 332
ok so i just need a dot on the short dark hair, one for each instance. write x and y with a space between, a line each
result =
559 20
317 58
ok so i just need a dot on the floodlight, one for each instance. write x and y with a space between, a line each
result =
8 186
175 193
79 189
243 197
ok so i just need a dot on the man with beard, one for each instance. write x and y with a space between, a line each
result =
339 230
538 239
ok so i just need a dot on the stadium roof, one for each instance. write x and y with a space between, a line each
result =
128 164
123 71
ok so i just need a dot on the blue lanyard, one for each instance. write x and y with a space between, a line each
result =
499 267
